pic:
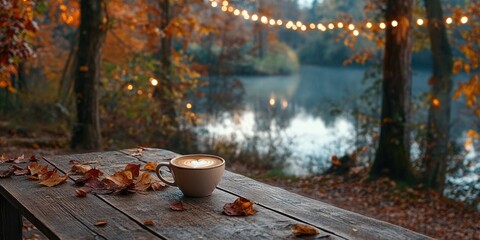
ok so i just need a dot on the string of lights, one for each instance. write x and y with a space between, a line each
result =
225 6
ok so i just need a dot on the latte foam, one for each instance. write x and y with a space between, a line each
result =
197 161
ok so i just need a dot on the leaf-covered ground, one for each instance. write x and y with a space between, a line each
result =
414 208
417 209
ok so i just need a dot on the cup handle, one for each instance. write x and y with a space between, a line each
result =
157 171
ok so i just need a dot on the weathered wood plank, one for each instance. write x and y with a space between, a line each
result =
59 214
332 219
203 217
10 220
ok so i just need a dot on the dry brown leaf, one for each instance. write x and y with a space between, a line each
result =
300 230
177 206
240 207
158 186
81 168
37 169
19 159
151 166
54 179
101 223
83 191
148 222
4 158
144 182
74 162
33 158
134 169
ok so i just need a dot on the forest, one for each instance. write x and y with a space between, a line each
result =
82 76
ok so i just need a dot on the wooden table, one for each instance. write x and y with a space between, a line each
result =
60 214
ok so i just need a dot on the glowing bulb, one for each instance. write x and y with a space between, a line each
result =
331 26
139 92
272 101
340 25
420 22
369 25
225 3
435 102
189 106
236 12
230 9
294 27
272 22
351 27
214 4
246 16
154 81
355 33
382 25
224 8
279 22
303 27
464 19
299 24
254 17
130 87
449 20
284 104
244 12
394 23
312 26
264 19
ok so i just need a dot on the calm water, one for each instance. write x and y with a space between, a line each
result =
308 114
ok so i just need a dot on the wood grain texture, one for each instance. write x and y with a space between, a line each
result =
59 214
203 218
324 216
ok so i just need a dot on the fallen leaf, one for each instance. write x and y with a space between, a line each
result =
300 230
144 182
158 186
20 172
4 158
241 207
83 191
134 169
81 168
19 159
37 169
73 161
6 173
151 166
101 223
138 151
33 158
148 222
54 179
177 206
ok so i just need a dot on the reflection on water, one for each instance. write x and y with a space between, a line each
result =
298 110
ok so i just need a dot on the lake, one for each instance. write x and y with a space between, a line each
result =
311 115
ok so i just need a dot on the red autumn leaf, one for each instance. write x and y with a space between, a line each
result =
101 223
241 207
54 179
6 173
33 158
151 166
92 173
300 230
99 187
148 222
37 169
83 191
177 206
81 168
134 169
46 175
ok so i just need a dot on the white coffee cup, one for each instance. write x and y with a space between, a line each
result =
197 175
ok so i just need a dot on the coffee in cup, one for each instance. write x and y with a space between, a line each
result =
197 175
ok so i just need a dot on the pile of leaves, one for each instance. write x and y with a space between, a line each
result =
127 181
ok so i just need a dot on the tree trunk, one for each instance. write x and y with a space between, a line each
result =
86 133
436 154
392 158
